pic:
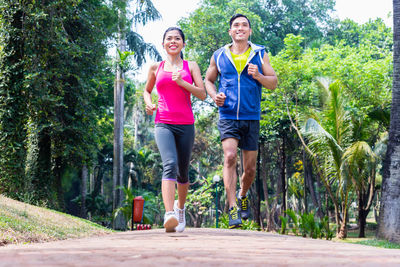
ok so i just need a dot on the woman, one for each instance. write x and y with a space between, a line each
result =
176 79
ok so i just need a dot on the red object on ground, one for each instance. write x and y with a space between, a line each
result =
138 205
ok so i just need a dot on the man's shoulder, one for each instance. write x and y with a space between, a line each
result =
257 47
220 50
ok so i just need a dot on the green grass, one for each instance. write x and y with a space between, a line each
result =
370 238
378 243
24 223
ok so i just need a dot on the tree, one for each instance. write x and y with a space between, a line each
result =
144 12
206 28
359 163
389 223
13 98
63 77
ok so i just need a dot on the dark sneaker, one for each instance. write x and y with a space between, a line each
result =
243 205
234 218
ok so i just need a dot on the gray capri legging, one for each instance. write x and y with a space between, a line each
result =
175 143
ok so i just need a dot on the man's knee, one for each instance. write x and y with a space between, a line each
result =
230 158
250 171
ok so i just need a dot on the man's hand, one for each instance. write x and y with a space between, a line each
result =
150 108
253 71
220 99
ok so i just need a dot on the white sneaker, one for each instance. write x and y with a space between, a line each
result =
170 221
180 213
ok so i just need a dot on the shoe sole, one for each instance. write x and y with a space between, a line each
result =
180 231
170 225
235 226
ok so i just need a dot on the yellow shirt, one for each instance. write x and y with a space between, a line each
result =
240 60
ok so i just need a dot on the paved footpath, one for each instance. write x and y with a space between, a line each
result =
196 247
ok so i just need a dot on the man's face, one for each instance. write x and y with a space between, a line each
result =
240 29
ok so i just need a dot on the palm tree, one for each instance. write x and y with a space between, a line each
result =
389 223
359 163
144 11
327 139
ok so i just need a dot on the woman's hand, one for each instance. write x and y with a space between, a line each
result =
176 77
150 108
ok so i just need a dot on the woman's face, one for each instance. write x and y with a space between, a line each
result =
173 42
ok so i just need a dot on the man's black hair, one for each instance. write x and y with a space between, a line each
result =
238 16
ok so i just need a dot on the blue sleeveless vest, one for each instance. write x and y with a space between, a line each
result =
243 93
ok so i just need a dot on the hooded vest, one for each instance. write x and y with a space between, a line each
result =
243 92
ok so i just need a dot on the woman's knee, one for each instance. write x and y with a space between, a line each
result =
170 168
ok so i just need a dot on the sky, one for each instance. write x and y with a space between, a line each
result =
172 10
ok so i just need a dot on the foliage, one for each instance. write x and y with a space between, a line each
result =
306 225
96 206
206 28
374 34
246 224
124 60
150 206
284 222
198 202
13 98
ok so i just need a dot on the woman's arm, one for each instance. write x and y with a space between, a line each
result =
198 88
151 80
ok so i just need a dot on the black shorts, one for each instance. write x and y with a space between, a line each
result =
246 131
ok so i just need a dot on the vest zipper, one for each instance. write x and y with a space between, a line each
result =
252 54
238 108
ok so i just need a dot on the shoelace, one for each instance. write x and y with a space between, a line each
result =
181 215
234 214
244 203
169 213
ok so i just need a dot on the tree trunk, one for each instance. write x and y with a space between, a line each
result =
283 176
38 166
308 183
58 172
257 217
264 180
389 222
362 216
118 161
84 190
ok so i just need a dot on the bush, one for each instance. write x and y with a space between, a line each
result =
246 224
306 225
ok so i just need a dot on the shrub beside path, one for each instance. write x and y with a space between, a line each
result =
196 247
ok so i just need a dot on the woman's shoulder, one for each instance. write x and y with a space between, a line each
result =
192 64
154 66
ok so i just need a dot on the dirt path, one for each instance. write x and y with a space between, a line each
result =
196 247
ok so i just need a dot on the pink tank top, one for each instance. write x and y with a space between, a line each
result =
174 104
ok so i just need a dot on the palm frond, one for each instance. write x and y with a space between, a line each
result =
141 48
321 141
358 161
145 12
323 85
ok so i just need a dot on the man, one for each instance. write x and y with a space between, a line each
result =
243 69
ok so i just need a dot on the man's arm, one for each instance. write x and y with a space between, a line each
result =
211 77
268 79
